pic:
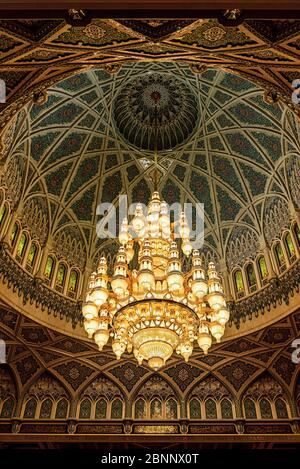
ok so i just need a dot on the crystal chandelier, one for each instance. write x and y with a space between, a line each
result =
156 309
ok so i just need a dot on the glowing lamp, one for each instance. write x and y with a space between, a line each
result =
89 310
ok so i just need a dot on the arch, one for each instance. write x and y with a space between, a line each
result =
210 408
8 407
32 256
265 408
73 283
226 409
281 408
22 245
62 408
296 230
14 233
171 409
46 408
4 211
156 408
140 409
251 277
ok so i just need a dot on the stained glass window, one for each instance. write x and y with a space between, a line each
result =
156 409
101 409
195 409
238 280
14 234
262 267
7 408
289 245
210 409
279 255
30 408
61 274
73 281
32 254
251 275
140 409
171 409
3 212
250 410
265 409
116 409
46 408
49 267
226 409
22 245
281 409
85 409
62 409
297 233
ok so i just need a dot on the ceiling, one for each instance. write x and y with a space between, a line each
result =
221 144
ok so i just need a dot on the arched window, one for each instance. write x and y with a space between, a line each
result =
22 246
31 256
140 409
250 409
62 409
210 409
279 256
226 409
60 277
265 409
297 232
73 283
30 408
46 409
195 408
171 409
290 248
156 409
117 409
239 283
3 214
251 277
281 409
85 409
101 409
7 408
263 271
14 234
49 268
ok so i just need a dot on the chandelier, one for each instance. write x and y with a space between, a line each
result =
156 309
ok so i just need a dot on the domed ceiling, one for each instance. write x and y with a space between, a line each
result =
221 144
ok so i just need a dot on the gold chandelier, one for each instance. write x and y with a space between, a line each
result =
156 309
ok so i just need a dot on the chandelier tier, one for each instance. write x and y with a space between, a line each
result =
156 309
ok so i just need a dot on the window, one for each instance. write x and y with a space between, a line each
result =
156 409
73 283
85 409
3 213
281 409
101 409
171 409
290 247
226 409
210 409
60 277
265 409
31 256
62 409
140 409
30 408
239 284
14 234
251 277
117 409
46 409
22 246
250 409
49 268
195 409
7 408
297 233
279 257
263 271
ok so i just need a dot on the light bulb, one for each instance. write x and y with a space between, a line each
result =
204 341
223 316
217 330
89 310
101 337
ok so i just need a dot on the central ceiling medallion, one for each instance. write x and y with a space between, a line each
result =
156 309
156 100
